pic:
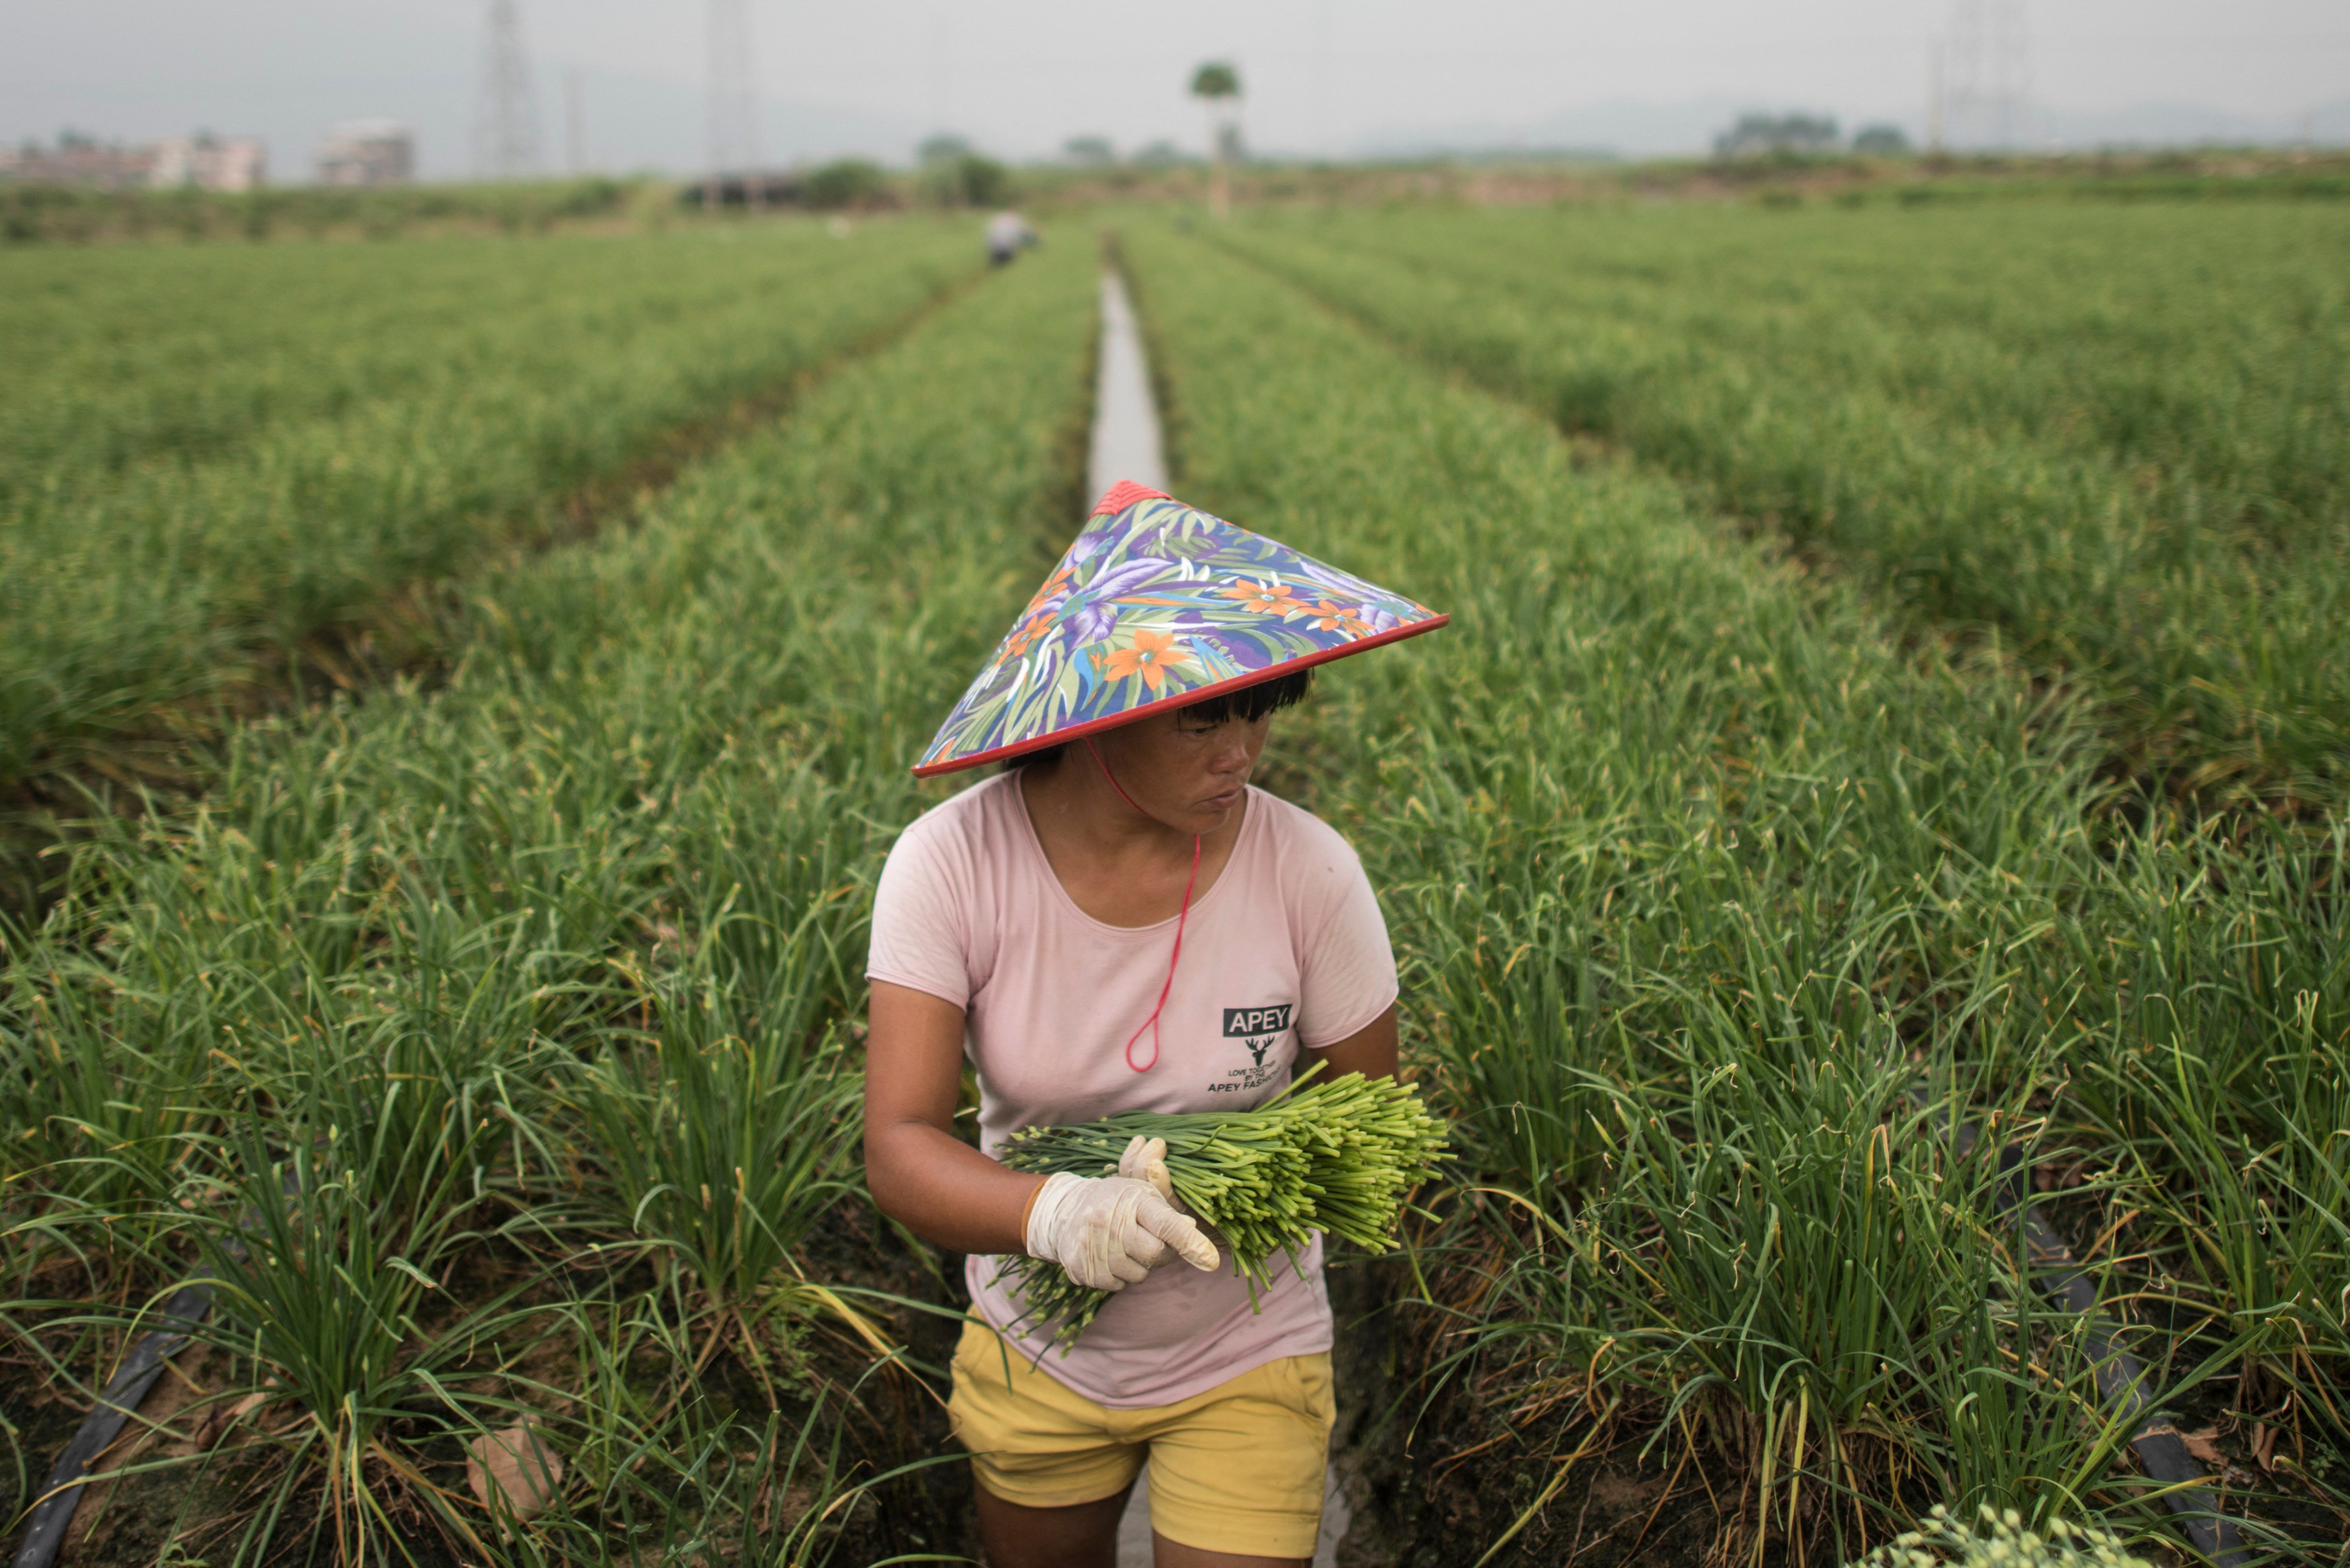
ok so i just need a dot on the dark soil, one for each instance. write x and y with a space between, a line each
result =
931 1510
1433 1485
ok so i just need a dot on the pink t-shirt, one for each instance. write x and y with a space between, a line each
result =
1287 948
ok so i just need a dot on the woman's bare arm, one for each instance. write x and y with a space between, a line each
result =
921 1175
1370 1051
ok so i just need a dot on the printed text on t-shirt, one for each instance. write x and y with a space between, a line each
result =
1256 1028
1245 1020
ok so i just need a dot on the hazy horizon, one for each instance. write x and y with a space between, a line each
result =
1020 77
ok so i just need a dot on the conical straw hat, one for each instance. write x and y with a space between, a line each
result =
1157 605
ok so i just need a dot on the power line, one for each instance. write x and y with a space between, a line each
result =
1328 137
505 122
1986 75
941 69
734 103
575 124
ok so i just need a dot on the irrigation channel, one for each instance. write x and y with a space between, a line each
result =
61 1493
1126 445
2121 1377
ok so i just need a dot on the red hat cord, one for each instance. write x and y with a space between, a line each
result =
1181 915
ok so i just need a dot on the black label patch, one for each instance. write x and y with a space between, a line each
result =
1258 1029
1241 1022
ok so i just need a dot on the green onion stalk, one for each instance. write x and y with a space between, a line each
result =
1341 1156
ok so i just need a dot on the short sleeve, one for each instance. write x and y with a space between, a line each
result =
921 923
1348 976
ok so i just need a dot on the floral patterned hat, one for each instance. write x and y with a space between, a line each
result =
1157 605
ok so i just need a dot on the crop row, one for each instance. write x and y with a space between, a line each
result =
2112 439
1721 911
132 357
33 214
2205 355
502 1023
215 456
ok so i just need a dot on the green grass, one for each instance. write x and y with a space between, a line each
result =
535 983
1697 867
217 457
2111 439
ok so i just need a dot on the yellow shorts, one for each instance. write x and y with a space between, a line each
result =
1238 1469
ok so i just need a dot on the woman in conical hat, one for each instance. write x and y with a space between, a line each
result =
1118 921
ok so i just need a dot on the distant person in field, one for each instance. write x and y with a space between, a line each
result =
1008 235
1039 926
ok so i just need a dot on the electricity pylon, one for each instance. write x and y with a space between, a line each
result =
505 122
1988 66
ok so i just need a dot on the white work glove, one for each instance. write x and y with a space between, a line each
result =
1145 1160
1108 1232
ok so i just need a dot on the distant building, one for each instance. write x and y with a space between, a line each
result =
204 161
79 160
210 162
1758 135
368 153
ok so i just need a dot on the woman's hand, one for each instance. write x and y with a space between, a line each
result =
1109 1231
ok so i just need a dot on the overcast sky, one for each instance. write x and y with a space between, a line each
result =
1019 77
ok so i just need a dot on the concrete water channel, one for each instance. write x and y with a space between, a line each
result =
1126 445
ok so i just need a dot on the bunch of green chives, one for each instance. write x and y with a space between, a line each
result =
1339 1156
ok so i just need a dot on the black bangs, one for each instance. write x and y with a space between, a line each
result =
1248 704
1251 703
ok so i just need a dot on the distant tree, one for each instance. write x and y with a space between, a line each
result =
1880 142
985 182
848 183
944 147
1762 135
1089 151
968 181
1216 79
1217 84
1158 155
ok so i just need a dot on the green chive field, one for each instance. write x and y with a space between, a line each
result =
2117 441
216 462
1888 761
